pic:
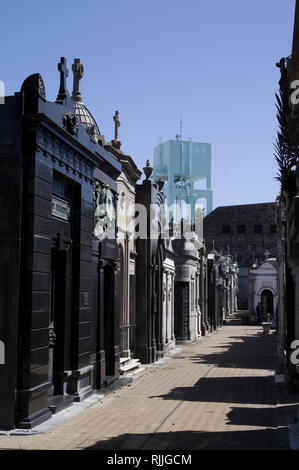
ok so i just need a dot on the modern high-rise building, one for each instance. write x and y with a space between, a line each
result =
185 167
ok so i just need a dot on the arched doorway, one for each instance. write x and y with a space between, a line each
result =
267 303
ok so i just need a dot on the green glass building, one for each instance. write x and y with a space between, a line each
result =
185 167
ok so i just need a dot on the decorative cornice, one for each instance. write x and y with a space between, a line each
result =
51 147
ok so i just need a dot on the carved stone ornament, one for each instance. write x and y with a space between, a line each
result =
104 212
147 170
52 334
160 184
70 123
41 88
164 292
92 134
34 86
50 147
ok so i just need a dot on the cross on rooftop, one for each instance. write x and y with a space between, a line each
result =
64 73
116 124
78 71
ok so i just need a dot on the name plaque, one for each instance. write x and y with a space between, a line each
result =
60 208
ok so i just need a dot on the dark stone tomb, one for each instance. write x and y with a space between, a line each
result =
59 270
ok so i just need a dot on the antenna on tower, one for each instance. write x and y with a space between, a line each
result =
181 127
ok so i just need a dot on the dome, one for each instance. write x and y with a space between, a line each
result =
86 119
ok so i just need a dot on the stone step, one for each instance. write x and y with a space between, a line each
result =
109 380
124 361
130 367
58 403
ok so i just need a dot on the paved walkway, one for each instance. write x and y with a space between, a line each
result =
218 393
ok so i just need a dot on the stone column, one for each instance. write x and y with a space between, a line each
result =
198 301
206 298
164 308
116 348
169 305
127 300
172 307
153 314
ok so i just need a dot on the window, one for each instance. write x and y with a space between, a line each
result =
62 188
241 229
273 229
257 229
226 229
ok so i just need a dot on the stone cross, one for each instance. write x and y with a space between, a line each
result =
116 124
78 71
64 73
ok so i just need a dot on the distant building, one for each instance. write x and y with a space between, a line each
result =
263 288
185 167
248 232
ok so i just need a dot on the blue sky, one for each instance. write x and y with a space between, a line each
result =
213 61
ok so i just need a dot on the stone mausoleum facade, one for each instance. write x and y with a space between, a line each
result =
263 288
59 277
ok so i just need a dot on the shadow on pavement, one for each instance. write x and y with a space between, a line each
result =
251 417
248 352
252 399
191 440
246 390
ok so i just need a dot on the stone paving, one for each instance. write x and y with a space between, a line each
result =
218 393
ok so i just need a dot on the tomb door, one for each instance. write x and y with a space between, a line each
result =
266 303
109 319
181 310
132 314
59 320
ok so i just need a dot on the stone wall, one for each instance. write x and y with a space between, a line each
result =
247 231
248 246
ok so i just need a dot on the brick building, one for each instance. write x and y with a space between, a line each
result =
248 232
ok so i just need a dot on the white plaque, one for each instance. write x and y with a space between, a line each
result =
60 208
